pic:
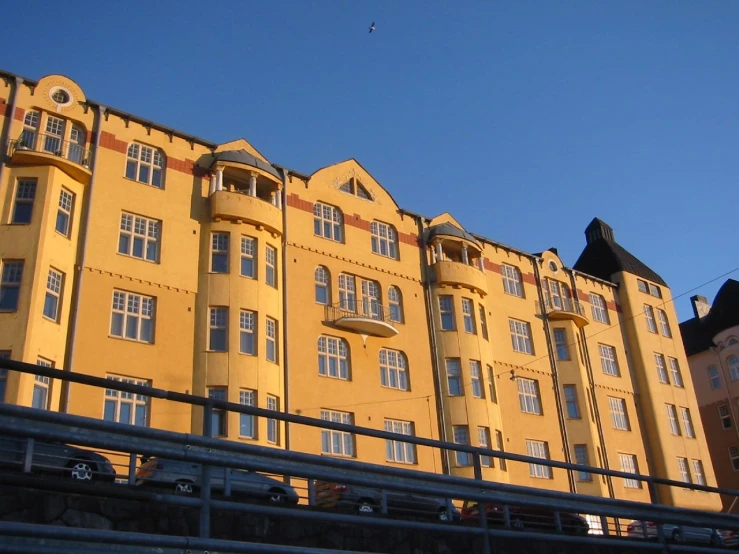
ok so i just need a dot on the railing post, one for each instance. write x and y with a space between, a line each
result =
483 509
227 481
311 492
205 475
383 502
653 492
132 468
28 456
557 522
477 466
604 526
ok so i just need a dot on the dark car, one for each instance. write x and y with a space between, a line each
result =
684 533
526 517
185 478
57 458
369 500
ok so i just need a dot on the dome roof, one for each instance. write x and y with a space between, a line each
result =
449 230
243 157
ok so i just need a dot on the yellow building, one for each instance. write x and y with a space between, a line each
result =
133 251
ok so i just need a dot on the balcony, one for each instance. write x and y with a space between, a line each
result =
367 317
460 274
40 149
565 308
238 206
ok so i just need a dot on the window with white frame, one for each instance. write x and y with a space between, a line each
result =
333 358
700 476
561 347
687 422
348 292
384 239
337 443
30 129
446 309
132 316
500 445
247 422
664 325
247 332
483 322
512 283
64 212
733 362
619 415
327 222
219 418
725 416
476 375
395 301
271 340
677 376
734 457
25 194
581 458
538 449
145 165
483 439
655 291
271 272
608 360
273 426
248 253
219 253
629 465
598 308
10 284
468 315
714 377
491 384
41 386
54 135
521 336
659 361
53 294
323 285
393 369
126 407
139 237
528 396
672 419
398 451
649 316
218 329
573 406
682 464
462 436
454 376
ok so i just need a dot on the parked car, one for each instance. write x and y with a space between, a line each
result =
684 533
526 517
57 458
367 500
185 478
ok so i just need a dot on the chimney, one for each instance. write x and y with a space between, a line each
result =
701 307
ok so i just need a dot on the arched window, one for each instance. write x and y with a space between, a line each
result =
323 290
395 301
384 239
30 128
333 358
734 368
393 369
327 222
145 165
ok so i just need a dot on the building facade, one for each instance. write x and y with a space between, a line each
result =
711 340
134 251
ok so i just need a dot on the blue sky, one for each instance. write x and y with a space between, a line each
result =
523 119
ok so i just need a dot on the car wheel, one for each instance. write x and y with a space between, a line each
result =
81 470
183 488
677 536
365 506
276 496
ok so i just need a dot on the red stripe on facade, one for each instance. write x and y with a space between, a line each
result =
19 114
583 296
294 201
108 140
491 266
528 278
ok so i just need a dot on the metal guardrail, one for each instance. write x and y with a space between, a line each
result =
567 305
212 453
368 309
52 144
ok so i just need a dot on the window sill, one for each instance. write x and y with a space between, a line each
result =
247 438
137 258
252 354
209 351
211 272
49 319
135 341
9 311
19 223
61 234
274 362
396 259
344 379
142 183
252 277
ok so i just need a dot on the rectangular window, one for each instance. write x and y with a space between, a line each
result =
483 323
348 292
327 222
454 376
126 407
468 313
560 344
629 465
398 451
25 194
10 285
41 386
271 266
337 443
734 457
725 416
476 374
521 336
219 253
619 415
528 396
491 385
247 423
573 407
713 377
271 340
672 418
538 449
54 135
499 445
139 237
64 212
248 252
273 429
677 376
608 360
700 476
664 325
462 436
659 361
682 464
384 239
483 438
218 330
132 317
247 333
446 309
53 294
511 280
649 315
642 285
219 419
655 291
687 422
598 308
581 458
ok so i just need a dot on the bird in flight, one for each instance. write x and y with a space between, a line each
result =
372 27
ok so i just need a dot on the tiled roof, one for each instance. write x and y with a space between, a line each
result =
698 333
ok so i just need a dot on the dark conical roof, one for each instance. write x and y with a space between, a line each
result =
603 256
698 332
